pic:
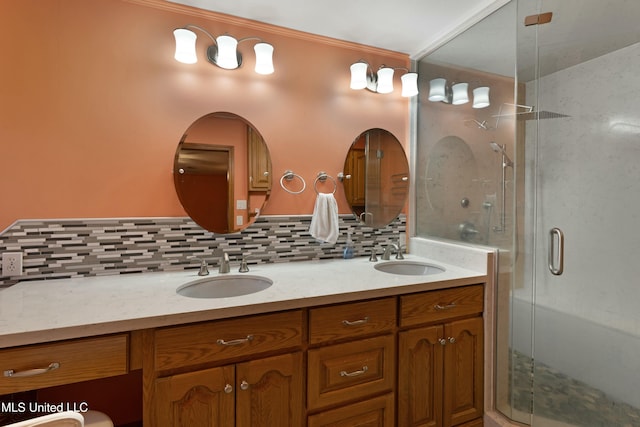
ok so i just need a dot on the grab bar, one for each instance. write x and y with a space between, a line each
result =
555 234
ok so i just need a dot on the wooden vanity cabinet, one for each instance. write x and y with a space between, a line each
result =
441 361
351 364
39 366
245 372
262 392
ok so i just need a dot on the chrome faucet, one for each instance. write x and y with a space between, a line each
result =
390 247
244 268
224 264
204 270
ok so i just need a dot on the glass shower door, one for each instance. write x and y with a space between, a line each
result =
582 154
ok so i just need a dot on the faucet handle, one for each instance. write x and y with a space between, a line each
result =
399 252
373 257
244 268
204 270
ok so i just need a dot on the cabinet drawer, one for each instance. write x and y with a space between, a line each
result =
378 411
440 305
351 320
346 372
201 343
46 365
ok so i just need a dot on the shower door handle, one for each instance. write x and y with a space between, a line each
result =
556 251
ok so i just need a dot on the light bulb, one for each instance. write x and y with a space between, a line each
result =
185 46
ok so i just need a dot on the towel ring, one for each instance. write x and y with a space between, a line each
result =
289 175
322 177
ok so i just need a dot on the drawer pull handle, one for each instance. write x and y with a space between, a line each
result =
244 385
354 373
452 340
31 372
249 338
442 341
444 307
355 322
228 388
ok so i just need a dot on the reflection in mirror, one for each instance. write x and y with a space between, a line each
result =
376 177
222 172
450 181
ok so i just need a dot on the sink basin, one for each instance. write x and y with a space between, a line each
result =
224 286
409 268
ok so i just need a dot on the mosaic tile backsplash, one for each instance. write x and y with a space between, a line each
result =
55 249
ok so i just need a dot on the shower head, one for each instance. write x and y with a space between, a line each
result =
500 149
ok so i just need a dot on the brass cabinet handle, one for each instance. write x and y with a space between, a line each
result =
228 388
444 307
239 341
354 373
244 385
442 341
10 373
452 340
355 322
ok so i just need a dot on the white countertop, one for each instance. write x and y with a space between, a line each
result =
49 310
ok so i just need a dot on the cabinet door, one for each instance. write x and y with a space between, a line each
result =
196 399
259 163
463 371
354 188
420 380
269 392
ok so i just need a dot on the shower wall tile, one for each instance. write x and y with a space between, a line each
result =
54 249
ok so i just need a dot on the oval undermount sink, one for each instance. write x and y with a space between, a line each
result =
408 268
224 286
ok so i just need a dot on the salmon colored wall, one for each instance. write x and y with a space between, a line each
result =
93 105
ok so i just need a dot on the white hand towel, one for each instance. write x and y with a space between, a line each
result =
324 222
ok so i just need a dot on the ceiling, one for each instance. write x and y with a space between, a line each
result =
407 26
580 29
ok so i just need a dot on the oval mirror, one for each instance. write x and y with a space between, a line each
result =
222 172
376 177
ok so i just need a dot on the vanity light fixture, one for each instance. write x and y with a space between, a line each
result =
458 93
362 77
223 52
481 97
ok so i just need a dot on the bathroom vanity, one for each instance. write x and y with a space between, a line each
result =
329 343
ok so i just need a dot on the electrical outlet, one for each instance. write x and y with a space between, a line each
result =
12 264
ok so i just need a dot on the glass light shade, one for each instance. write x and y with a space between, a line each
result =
437 91
359 75
460 93
264 58
385 80
409 84
227 52
481 97
185 46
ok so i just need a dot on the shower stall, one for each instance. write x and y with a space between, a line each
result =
549 174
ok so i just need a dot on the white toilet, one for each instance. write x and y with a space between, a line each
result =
68 419
96 419
61 419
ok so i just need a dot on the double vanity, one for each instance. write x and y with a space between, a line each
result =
335 342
